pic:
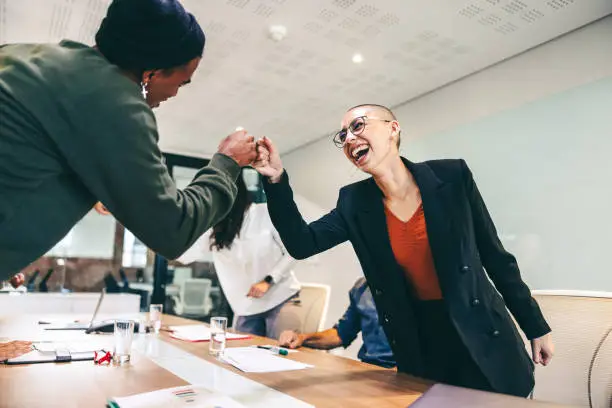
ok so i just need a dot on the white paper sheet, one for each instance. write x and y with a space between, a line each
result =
255 360
199 332
190 395
94 344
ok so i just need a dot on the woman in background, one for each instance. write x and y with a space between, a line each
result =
254 269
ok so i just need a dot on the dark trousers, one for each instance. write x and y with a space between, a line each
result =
445 358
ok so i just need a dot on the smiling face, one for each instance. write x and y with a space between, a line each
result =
165 84
372 136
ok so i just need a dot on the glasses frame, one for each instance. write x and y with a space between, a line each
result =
337 136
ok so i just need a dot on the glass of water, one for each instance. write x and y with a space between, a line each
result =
218 327
124 334
155 317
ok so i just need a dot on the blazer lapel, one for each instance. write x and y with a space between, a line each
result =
373 225
437 206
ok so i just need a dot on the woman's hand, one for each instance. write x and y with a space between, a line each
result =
543 349
259 289
268 162
101 209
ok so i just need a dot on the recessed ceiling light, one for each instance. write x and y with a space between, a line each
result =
357 58
277 32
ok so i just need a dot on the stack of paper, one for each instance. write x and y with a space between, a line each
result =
189 395
255 360
199 332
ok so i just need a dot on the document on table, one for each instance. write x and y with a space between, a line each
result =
74 346
255 360
189 395
199 332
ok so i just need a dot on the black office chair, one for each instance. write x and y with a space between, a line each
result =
124 279
42 286
111 284
31 285
144 295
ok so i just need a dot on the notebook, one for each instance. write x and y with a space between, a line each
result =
59 356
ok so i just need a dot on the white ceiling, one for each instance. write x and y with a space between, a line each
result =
296 91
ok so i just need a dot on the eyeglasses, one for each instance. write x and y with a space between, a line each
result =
356 127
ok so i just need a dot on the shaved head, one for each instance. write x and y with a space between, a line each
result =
378 108
383 111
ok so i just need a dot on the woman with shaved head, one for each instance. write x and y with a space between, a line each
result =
440 277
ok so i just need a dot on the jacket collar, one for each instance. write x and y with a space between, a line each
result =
427 181
438 209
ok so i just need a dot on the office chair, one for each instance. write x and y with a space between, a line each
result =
42 286
31 285
194 298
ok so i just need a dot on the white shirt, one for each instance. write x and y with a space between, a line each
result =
256 252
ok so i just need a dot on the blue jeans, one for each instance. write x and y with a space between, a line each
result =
265 324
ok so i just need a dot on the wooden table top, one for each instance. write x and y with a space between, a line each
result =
333 382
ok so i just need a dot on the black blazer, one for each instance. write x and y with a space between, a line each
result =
464 243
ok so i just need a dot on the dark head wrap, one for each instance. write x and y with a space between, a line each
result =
149 34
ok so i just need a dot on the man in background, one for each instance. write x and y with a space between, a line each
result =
361 315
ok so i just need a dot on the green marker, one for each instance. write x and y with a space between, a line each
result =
275 350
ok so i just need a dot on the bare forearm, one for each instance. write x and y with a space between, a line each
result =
325 340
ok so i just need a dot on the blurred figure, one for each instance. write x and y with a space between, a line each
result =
253 267
17 280
361 316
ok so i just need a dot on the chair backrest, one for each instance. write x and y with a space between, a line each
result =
195 296
314 301
582 366
181 274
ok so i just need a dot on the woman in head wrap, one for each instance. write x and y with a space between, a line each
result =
76 128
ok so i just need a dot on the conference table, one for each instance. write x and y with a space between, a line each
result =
160 361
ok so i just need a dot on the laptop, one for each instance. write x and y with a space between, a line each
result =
79 325
442 395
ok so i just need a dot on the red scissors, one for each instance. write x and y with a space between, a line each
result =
103 357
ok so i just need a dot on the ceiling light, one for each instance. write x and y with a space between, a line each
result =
357 58
277 32
239 128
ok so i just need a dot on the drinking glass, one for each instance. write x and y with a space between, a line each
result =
218 327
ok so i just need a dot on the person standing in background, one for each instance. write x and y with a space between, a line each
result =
253 267
77 127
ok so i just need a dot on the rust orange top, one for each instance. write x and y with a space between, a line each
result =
410 245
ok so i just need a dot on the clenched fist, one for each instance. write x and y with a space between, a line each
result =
240 146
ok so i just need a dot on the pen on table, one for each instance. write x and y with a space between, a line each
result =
277 350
